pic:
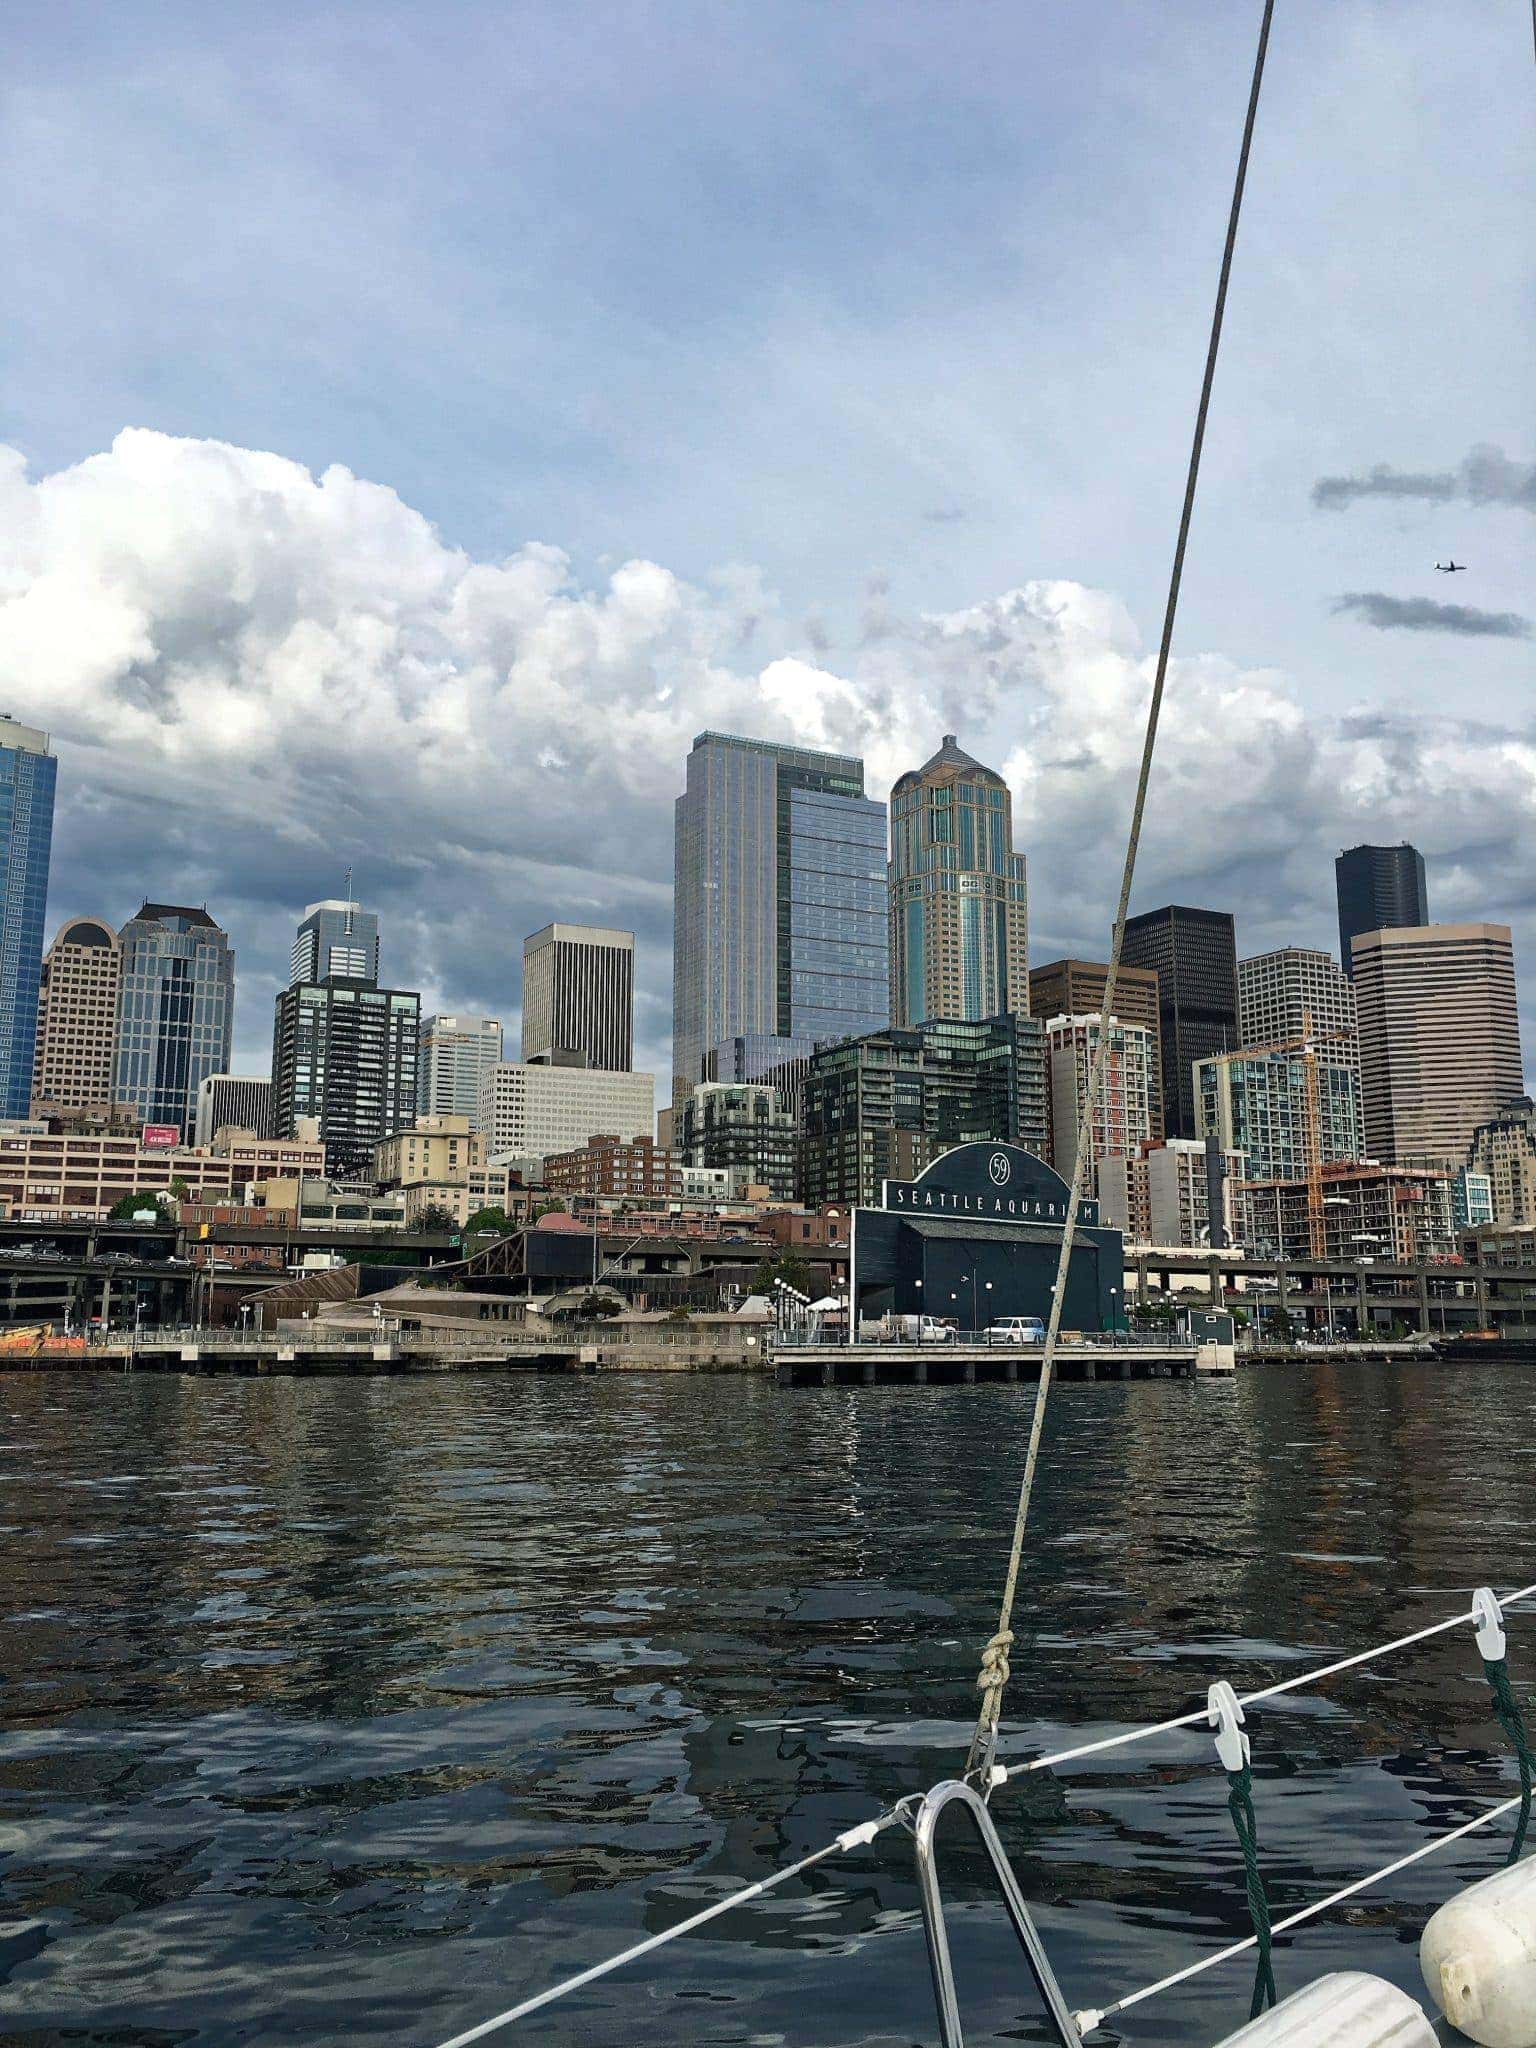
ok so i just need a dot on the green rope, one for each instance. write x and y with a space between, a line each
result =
1507 1712
1240 1806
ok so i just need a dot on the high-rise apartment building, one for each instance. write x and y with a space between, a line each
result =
884 1106
1075 988
1503 1149
579 995
1260 1104
1439 1037
336 937
779 900
532 1109
1194 954
175 1011
76 1021
1378 887
28 772
1122 1116
344 1052
1293 993
1163 1195
455 1054
241 1102
959 910
742 1128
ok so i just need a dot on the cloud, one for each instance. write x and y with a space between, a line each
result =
944 515
1423 615
256 675
1485 477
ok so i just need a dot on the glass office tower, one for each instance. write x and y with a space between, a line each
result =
779 900
1381 888
175 1012
27 775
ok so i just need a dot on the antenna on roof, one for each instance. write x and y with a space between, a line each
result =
348 896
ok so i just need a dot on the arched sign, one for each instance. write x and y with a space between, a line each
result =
995 1182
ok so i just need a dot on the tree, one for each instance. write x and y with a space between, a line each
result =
435 1217
179 1188
547 1209
491 1219
127 1207
787 1266
1278 1323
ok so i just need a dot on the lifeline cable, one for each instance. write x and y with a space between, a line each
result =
994 1673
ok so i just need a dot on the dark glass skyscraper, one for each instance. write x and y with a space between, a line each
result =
175 1012
27 775
1195 955
1381 888
344 1052
779 903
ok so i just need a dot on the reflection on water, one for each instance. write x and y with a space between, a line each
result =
350 1710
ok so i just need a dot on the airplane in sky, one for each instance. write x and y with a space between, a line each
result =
1449 568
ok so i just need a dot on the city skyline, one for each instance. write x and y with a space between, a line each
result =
653 1055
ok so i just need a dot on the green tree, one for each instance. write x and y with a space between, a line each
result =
435 1217
548 1209
787 1266
179 1188
492 1220
1278 1323
128 1206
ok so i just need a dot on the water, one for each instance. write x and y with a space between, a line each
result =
347 1711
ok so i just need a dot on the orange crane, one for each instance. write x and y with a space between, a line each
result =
1312 1115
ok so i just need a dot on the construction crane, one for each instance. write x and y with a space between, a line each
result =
1312 1114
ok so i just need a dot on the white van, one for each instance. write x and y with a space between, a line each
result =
1017 1330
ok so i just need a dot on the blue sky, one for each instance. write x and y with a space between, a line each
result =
847 317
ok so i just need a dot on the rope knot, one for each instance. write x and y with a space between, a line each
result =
994 1672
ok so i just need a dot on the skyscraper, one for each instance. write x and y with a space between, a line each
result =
1075 988
336 937
1122 1114
77 1021
579 995
1262 1105
1379 887
1439 1037
779 900
344 1052
455 1053
1195 955
28 772
175 1011
1295 990
232 1101
959 924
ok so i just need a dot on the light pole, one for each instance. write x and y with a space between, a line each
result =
1114 1311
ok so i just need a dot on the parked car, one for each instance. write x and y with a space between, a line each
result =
1017 1330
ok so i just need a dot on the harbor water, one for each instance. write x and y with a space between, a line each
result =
350 1711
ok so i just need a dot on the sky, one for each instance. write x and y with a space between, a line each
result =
418 423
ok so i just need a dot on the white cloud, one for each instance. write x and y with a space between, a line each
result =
256 675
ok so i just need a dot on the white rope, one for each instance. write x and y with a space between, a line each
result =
1199 1719
1089 2019
854 1838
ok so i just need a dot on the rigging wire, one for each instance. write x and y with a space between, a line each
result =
994 1673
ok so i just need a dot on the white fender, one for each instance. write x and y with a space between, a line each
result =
1346 2009
1478 1956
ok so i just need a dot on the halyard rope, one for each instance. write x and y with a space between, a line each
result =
994 1669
